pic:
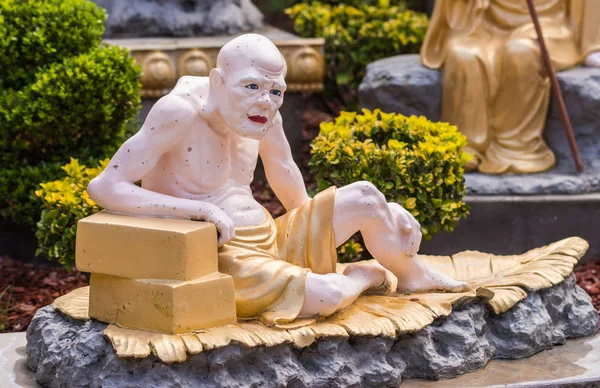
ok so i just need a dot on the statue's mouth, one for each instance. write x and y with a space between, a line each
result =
258 119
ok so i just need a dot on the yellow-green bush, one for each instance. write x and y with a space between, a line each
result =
358 34
413 161
66 201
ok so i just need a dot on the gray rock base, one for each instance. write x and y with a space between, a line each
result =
401 84
64 352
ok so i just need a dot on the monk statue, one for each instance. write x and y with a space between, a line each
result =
496 89
195 155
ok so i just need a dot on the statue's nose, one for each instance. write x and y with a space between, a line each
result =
264 101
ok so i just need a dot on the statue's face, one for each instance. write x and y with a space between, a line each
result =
250 99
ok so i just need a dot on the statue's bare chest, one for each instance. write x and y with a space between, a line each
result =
211 160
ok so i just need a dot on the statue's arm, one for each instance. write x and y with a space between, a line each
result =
451 18
282 173
115 189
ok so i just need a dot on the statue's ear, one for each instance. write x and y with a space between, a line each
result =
216 77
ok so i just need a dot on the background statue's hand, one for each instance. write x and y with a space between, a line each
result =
593 59
225 225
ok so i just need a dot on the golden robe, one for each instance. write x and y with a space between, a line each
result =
269 262
495 86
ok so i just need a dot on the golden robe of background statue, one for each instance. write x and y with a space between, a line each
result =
495 86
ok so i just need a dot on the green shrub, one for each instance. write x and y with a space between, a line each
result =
63 94
77 107
413 161
356 35
65 202
18 202
36 33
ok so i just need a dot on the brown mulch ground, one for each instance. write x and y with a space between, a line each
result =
24 288
588 278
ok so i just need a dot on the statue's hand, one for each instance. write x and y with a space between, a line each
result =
225 225
593 59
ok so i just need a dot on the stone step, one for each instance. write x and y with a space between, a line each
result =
513 224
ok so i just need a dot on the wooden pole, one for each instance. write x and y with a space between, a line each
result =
556 88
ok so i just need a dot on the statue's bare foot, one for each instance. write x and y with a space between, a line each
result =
371 271
422 278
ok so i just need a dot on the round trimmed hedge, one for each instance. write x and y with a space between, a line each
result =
413 161
62 94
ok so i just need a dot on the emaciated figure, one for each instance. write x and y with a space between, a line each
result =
195 155
495 86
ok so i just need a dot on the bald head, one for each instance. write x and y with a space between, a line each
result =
251 50
248 85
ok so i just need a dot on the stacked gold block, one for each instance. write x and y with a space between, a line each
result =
153 273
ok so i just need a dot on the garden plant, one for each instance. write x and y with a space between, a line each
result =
62 94
357 33
413 161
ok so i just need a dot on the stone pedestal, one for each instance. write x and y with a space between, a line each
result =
154 274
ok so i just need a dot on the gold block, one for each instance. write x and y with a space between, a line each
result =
146 248
166 306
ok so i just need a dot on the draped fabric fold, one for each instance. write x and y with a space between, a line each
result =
269 262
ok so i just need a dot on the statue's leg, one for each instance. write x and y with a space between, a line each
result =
521 103
326 294
520 112
391 235
466 98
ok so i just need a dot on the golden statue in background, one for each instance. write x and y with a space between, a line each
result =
496 89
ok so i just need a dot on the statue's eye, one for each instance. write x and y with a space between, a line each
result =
276 92
252 86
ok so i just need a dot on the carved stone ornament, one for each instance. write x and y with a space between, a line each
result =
158 73
163 60
196 62
306 68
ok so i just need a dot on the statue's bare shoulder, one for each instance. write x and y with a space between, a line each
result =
191 92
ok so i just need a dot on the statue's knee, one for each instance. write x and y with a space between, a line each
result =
464 51
369 198
524 53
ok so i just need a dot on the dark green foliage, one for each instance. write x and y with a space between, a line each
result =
18 202
77 107
37 33
62 94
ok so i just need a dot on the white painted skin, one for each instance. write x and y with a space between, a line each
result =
593 59
196 154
